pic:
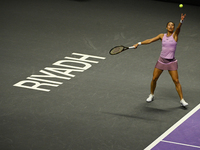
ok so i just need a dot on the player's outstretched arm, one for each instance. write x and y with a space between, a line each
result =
148 41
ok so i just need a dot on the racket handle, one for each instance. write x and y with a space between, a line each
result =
132 47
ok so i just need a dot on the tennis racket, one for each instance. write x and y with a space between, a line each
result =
118 49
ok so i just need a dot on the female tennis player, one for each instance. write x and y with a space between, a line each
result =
167 59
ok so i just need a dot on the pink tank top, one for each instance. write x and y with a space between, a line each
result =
168 47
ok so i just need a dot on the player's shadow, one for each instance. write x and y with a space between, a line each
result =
148 109
130 116
157 110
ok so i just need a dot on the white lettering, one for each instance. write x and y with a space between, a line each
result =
85 57
49 75
48 81
60 63
35 85
66 71
71 65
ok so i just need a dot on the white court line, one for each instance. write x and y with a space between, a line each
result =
166 133
180 144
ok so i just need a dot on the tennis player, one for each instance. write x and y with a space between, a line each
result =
167 59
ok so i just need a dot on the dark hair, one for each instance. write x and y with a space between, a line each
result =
169 22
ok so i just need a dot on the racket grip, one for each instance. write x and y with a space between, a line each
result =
132 47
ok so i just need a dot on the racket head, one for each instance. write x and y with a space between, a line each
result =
117 49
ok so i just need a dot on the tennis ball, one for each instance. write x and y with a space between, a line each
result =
181 5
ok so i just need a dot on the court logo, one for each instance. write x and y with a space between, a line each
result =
64 68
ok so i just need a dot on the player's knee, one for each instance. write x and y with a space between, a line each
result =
176 81
154 79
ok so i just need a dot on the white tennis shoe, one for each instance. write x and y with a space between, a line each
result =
183 103
150 98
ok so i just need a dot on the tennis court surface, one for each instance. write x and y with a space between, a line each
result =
62 90
184 135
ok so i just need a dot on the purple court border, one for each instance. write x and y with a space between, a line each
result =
165 143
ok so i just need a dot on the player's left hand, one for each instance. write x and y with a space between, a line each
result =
183 16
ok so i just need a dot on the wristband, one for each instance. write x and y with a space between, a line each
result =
139 43
181 21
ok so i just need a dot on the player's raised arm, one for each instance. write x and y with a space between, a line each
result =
179 25
148 41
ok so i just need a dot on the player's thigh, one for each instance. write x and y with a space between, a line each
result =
174 75
156 73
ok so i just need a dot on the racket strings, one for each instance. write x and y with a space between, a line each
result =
117 50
